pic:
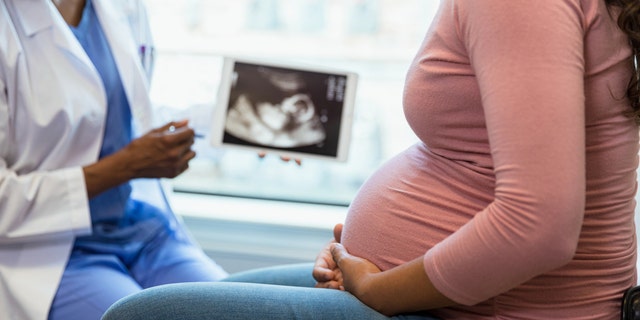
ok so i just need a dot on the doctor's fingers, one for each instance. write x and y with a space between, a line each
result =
170 147
173 125
158 152
170 127
183 135
180 166
175 130
179 154
169 167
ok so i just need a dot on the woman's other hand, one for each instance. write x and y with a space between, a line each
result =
356 272
326 271
404 288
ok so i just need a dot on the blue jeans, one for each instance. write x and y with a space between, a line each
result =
284 292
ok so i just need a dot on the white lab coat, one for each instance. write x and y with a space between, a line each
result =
52 114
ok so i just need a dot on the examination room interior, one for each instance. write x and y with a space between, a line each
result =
247 211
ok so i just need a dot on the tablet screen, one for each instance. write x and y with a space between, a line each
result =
290 110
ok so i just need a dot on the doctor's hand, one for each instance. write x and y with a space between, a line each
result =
163 152
325 270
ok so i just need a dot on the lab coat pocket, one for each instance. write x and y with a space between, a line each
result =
147 58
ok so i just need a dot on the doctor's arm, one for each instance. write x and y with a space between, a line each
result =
161 153
38 205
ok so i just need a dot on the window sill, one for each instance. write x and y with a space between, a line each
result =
241 233
269 212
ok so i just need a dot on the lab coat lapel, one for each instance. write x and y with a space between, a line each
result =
42 17
117 30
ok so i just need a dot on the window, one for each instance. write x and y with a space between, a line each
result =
375 38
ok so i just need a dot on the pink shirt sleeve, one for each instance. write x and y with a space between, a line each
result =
528 60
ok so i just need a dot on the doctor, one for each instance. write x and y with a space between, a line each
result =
77 231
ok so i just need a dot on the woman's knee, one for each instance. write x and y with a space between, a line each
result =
296 275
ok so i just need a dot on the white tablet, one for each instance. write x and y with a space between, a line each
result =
285 109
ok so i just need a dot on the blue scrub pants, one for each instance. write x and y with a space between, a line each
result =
112 264
287 294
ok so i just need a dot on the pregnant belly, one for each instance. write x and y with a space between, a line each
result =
410 204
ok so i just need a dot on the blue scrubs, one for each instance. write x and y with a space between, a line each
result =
134 245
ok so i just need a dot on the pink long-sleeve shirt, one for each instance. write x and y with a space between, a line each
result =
520 194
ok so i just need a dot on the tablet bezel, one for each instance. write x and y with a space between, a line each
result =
341 150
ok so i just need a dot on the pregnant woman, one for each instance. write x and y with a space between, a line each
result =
517 203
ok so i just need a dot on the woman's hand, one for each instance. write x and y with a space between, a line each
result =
326 271
357 273
404 288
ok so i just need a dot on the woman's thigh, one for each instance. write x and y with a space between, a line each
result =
237 301
296 275
229 300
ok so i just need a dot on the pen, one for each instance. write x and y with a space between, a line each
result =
197 135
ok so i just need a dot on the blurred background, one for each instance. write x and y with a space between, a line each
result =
249 212
376 39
